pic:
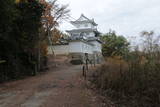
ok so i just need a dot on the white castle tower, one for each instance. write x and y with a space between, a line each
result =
84 40
84 28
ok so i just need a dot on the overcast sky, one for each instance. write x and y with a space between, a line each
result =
126 17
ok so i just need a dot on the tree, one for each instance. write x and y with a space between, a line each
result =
19 36
23 35
114 44
150 41
53 15
29 23
58 36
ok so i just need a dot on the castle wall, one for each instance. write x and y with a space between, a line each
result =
84 25
73 47
59 49
80 47
76 51
97 46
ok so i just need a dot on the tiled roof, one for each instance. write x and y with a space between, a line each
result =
86 20
84 30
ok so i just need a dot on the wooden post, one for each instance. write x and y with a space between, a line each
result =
94 63
35 71
87 64
86 55
91 63
84 72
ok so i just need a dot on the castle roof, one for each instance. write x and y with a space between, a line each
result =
84 19
94 39
83 30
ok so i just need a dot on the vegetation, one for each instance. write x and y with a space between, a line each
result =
19 36
59 37
53 15
134 81
24 35
114 44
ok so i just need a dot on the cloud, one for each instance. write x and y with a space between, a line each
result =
126 17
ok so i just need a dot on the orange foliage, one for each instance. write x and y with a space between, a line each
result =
56 35
47 19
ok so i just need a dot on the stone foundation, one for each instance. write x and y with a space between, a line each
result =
96 58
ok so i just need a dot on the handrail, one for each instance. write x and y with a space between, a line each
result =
2 61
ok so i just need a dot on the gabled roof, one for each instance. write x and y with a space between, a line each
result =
83 18
83 30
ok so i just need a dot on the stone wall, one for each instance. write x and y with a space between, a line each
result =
96 58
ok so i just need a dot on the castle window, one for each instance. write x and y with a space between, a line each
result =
86 25
78 26
87 33
82 34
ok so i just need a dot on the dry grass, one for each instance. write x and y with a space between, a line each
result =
132 83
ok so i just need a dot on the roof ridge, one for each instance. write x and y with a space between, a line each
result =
85 17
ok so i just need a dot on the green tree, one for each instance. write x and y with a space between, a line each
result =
8 43
19 36
28 28
114 45
23 39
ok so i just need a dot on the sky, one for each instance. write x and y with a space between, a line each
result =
126 17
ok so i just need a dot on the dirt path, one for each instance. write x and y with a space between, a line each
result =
59 87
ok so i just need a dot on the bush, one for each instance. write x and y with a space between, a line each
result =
133 83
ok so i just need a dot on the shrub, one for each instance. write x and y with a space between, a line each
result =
133 83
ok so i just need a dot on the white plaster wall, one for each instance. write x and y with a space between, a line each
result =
80 47
83 25
88 34
91 34
87 48
77 26
75 47
90 25
75 34
59 49
97 46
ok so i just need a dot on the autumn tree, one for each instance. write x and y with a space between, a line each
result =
53 15
57 35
